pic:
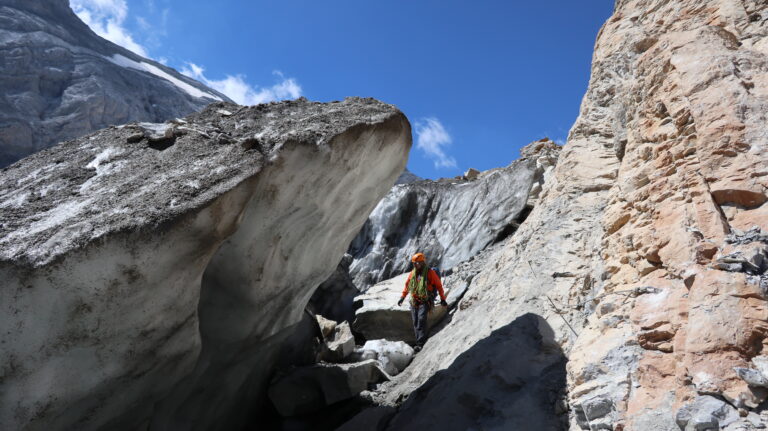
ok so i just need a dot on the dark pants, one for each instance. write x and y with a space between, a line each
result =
419 316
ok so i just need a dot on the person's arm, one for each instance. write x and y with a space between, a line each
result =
405 290
435 281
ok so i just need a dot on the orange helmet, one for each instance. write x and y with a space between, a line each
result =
418 257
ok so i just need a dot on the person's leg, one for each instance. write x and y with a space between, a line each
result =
421 325
415 320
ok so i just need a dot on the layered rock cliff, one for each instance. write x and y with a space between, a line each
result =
690 179
152 273
646 254
59 80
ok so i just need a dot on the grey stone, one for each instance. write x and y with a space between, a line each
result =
308 389
730 267
754 234
752 377
160 286
705 413
339 343
595 413
326 326
61 81
760 362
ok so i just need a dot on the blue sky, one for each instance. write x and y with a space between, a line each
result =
478 80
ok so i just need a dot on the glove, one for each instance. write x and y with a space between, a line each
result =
443 303
400 302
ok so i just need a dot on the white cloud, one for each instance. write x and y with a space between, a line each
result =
106 18
235 87
433 139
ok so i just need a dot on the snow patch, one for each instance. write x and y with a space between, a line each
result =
29 178
15 202
101 158
393 356
146 67
51 219
48 188
101 165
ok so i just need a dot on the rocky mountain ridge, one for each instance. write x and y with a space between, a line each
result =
60 81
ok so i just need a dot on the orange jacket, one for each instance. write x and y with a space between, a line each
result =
433 281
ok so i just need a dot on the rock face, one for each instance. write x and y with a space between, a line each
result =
152 281
448 220
690 177
61 80
645 251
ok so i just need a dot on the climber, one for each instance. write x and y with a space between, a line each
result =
422 282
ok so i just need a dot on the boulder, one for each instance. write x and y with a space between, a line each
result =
760 362
751 258
61 81
471 174
156 285
753 377
380 317
705 413
306 390
393 356
326 326
338 340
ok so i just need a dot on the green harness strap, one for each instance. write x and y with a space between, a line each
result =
418 289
